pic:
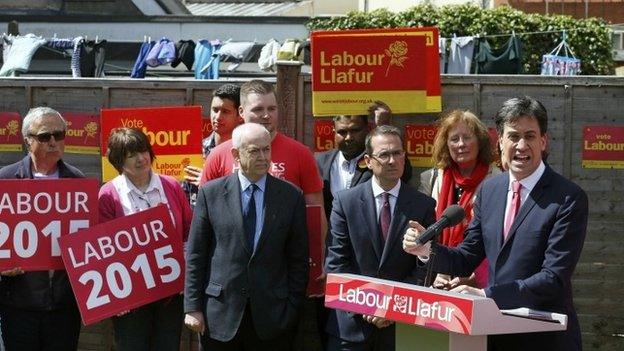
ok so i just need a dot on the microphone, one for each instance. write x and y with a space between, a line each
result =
450 217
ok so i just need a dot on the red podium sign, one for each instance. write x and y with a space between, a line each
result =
124 264
34 214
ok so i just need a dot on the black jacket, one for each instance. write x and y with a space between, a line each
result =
36 291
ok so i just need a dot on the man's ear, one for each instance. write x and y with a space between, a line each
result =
235 154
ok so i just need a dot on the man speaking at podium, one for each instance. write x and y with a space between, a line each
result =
532 243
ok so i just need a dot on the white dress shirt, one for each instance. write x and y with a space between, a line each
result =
342 172
392 198
527 183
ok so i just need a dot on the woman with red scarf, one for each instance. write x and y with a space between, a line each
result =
462 155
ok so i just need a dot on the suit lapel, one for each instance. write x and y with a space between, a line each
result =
398 222
327 165
360 175
232 197
370 216
500 197
271 208
528 205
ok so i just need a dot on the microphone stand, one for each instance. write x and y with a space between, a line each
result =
429 278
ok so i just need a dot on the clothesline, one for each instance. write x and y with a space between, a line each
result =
528 33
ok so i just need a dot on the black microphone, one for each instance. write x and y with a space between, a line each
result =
450 217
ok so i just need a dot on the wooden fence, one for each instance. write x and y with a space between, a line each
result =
572 103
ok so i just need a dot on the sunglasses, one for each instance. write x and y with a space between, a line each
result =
45 137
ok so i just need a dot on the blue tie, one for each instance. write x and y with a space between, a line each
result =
249 218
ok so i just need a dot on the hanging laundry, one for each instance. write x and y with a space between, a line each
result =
64 45
239 51
557 63
185 53
268 55
20 53
162 53
460 57
92 58
289 50
307 52
207 59
442 54
505 60
75 59
140 65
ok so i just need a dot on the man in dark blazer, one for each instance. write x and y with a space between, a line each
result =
349 138
367 225
38 310
533 253
245 282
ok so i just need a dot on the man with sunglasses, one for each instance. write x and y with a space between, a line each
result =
367 225
38 309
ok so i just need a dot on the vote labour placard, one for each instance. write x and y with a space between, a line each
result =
34 214
603 147
175 134
83 133
419 144
353 68
124 264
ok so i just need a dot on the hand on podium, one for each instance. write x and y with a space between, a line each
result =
377 321
411 246
465 289
447 282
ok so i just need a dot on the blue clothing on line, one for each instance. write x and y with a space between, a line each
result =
207 60
140 66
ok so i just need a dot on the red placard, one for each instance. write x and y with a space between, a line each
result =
206 127
399 302
10 131
34 214
83 133
323 135
124 264
174 133
353 68
419 144
313 217
603 147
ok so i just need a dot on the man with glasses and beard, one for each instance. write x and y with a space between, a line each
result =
38 309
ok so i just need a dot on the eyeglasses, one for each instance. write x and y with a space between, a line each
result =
385 156
45 137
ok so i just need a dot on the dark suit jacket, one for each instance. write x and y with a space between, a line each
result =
324 162
222 272
357 246
534 266
35 290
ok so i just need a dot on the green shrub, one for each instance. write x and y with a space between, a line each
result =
589 38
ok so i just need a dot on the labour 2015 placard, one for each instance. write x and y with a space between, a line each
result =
34 214
175 134
124 264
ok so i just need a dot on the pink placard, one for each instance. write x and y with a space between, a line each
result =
124 264
34 214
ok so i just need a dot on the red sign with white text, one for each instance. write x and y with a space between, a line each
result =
175 134
603 147
206 127
124 264
10 131
353 68
83 133
399 302
419 144
34 214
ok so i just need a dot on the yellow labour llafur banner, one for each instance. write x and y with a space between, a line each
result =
352 69
175 134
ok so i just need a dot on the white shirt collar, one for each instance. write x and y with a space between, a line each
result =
352 162
377 190
530 181
245 183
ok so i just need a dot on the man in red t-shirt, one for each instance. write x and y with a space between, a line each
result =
290 160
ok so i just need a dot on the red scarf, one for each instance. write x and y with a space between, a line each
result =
452 177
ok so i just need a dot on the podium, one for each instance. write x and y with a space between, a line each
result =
430 319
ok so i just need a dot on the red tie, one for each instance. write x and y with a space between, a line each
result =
384 217
516 187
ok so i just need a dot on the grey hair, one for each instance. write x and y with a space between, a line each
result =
243 131
37 113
